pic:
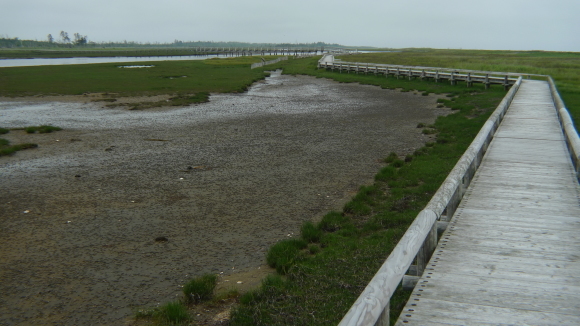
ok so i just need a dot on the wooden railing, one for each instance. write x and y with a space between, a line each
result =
453 75
570 133
420 240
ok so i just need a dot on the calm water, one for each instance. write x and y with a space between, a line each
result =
83 60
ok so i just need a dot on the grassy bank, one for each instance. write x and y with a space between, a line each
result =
187 81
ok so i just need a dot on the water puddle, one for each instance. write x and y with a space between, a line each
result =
136 66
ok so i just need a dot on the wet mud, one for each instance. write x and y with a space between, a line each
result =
121 208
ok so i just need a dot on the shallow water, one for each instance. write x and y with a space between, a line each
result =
276 95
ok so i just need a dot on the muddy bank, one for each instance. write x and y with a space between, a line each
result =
222 181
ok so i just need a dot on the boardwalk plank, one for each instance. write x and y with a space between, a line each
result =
511 254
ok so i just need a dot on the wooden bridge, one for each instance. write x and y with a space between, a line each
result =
511 252
232 51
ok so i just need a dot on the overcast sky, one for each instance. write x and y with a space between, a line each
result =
459 24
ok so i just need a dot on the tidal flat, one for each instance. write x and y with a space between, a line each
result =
221 181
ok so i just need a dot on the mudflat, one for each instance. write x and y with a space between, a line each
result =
121 208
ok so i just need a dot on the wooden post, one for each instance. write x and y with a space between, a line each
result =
469 83
486 81
426 250
452 78
437 76
410 74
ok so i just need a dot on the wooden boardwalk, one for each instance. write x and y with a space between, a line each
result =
511 253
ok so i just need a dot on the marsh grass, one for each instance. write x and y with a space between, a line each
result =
564 67
204 77
7 149
41 129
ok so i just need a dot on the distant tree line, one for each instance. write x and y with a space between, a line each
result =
79 40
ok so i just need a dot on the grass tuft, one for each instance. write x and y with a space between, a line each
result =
284 254
200 289
171 313
310 233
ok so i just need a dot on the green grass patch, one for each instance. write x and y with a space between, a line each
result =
203 77
171 313
200 289
7 149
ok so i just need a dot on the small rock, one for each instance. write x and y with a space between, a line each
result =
77 175
161 239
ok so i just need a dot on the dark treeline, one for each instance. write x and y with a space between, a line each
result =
18 43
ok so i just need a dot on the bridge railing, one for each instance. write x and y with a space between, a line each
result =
570 133
453 75
420 240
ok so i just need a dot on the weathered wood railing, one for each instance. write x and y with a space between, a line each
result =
264 63
420 240
570 133
453 75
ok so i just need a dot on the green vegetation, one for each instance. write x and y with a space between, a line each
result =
171 313
197 80
200 289
7 149
197 291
